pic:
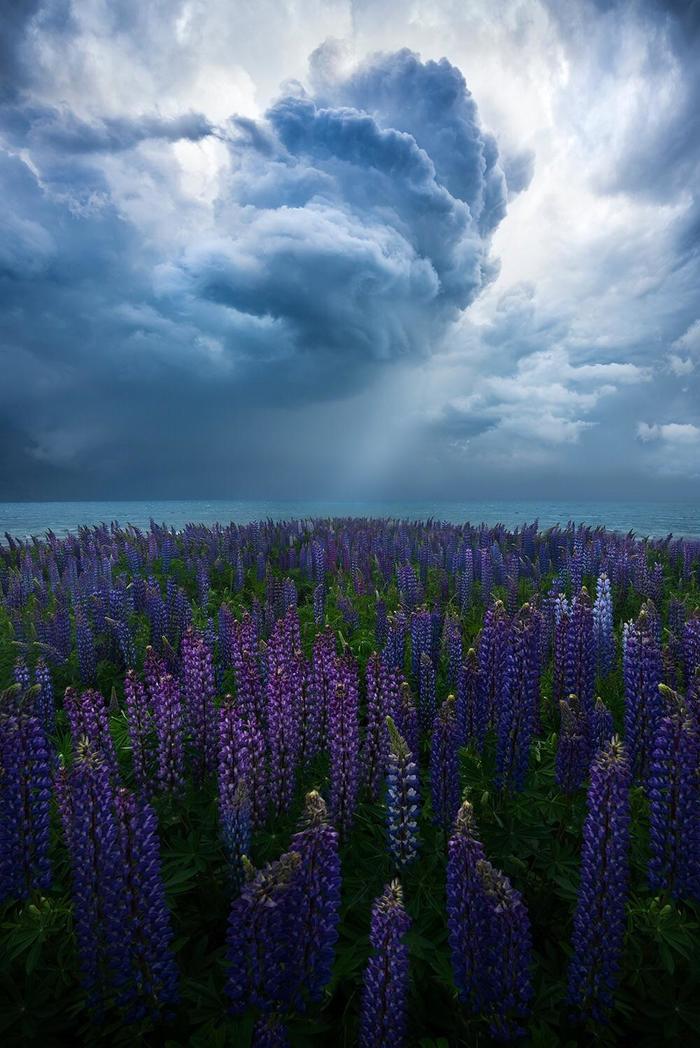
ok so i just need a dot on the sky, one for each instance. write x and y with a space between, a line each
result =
312 248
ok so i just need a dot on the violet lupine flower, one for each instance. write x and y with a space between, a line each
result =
270 1032
316 927
444 765
169 718
374 754
236 827
493 661
139 724
25 800
87 716
153 669
603 625
406 716
383 1017
409 588
310 709
233 750
519 700
85 642
154 973
421 638
227 631
452 642
471 715
344 743
284 690
402 799
45 704
381 627
642 673
561 614
691 649
249 685
319 602
86 801
262 938
674 801
573 745
599 920
394 650
21 675
426 692
579 678
602 728
488 932
198 692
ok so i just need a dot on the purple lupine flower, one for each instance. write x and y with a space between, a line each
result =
319 602
383 1016
642 672
139 724
316 927
402 799
395 647
261 941
519 700
87 716
234 757
153 669
249 686
198 692
691 649
674 801
488 932
25 800
374 754
493 662
579 678
270 1032
235 820
168 714
471 715
21 675
573 745
426 692
45 704
602 728
227 631
406 716
86 801
599 920
444 765
284 690
561 616
452 642
85 643
421 638
344 744
154 972
381 627
603 625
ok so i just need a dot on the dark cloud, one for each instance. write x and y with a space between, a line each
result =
193 306
45 127
360 238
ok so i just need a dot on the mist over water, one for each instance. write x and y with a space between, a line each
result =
645 518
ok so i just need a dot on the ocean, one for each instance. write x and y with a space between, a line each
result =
682 518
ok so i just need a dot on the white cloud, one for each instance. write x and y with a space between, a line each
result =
671 432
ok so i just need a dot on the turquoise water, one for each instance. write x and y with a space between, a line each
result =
645 518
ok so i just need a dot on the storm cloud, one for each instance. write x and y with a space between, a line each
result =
447 252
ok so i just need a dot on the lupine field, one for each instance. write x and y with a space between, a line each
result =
349 782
